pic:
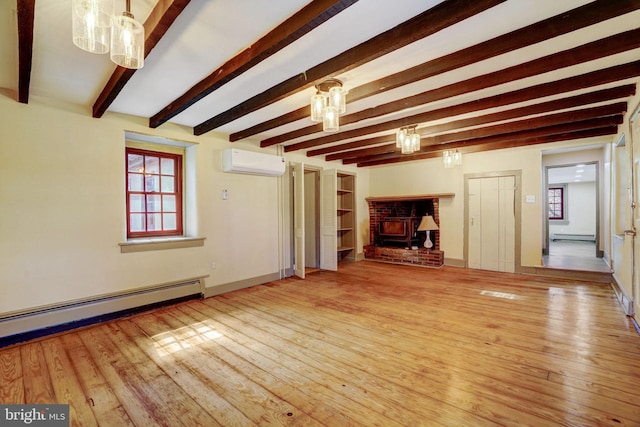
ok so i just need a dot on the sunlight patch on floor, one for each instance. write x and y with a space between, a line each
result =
184 337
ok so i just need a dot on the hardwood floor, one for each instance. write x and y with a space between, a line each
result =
373 344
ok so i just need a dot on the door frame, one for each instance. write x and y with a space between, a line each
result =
545 250
517 174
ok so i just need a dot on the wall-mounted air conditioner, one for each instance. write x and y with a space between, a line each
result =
251 162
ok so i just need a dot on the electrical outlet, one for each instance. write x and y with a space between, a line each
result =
213 265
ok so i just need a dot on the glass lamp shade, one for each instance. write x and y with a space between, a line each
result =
457 158
338 99
318 104
407 146
331 119
127 42
415 142
91 24
447 159
401 135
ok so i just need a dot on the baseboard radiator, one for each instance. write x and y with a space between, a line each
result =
574 237
71 314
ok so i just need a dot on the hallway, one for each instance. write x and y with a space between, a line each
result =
574 255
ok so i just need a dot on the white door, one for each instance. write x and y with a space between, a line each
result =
328 220
632 233
491 223
298 218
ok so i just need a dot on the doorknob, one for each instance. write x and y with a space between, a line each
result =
630 232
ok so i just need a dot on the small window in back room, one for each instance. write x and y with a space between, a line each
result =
556 203
154 193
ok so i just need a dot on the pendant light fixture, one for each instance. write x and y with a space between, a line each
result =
91 24
451 158
95 29
329 102
408 140
127 40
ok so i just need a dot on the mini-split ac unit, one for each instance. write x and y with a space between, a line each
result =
251 162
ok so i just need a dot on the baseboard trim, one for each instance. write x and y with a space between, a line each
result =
36 322
454 262
623 299
240 284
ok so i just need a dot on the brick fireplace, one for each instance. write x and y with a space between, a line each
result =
392 224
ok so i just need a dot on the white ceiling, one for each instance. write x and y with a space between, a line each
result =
209 33
579 172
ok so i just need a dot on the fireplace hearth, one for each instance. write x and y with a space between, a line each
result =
393 223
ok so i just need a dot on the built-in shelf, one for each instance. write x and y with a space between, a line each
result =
346 217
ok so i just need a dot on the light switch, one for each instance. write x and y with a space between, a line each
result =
531 198
225 195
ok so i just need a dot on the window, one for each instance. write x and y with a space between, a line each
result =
556 203
154 193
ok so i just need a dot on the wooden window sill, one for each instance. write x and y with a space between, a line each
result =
160 243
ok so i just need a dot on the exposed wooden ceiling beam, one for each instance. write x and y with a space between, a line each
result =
299 24
26 14
510 128
429 22
601 48
564 23
512 142
594 78
544 107
157 24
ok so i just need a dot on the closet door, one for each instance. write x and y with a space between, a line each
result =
491 223
298 218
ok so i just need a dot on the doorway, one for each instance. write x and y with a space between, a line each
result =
572 220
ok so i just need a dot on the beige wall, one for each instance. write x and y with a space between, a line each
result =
429 177
62 210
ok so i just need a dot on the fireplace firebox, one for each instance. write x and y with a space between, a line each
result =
398 230
393 223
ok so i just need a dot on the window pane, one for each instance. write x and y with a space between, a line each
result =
153 203
136 203
154 222
152 183
167 166
134 163
151 164
169 203
135 182
167 184
170 221
136 222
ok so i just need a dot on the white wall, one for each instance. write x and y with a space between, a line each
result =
581 209
62 210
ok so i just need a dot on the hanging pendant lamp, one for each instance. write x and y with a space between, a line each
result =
127 40
91 24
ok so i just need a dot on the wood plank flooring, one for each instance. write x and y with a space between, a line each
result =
372 344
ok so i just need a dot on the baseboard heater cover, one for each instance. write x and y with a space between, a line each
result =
75 313
576 237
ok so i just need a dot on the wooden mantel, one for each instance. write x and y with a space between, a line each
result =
409 198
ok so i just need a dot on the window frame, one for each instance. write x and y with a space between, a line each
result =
178 193
563 202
